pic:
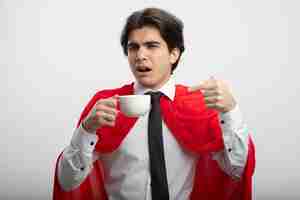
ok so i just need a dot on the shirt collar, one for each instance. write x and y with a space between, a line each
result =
168 89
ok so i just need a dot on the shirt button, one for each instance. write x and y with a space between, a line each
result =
230 149
82 168
222 122
92 143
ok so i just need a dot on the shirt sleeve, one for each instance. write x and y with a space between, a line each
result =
77 159
232 159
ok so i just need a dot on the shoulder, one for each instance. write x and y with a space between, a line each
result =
106 93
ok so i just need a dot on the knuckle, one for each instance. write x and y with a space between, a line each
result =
115 112
211 99
208 93
109 123
100 121
112 123
114 102
219 91
100 101
112 112
109 111
219 105
210 105
100 106
99 113
110 103
108 117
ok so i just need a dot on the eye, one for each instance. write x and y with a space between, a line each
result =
151 46
132 47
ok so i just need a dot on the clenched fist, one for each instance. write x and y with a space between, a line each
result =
217 94
103 113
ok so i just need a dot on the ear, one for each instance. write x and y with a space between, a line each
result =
174 55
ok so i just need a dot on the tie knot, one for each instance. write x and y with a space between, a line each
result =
155 96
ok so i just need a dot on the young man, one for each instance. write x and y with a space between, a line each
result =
202 148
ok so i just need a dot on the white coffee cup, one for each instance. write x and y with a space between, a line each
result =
135 105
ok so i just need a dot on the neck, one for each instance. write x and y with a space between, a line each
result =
160 85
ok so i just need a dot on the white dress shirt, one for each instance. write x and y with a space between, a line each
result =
127 168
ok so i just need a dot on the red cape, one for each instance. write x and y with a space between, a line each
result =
195 128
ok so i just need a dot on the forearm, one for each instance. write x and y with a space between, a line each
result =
76 161
232 159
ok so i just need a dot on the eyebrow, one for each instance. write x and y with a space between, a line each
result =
151 42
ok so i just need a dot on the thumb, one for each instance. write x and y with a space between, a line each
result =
116 96
117 99
196 87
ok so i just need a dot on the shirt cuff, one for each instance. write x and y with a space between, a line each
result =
231 119
235 136
84 141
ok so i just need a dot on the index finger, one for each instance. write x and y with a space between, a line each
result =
110 102
209 84
204 85
113 101
195 88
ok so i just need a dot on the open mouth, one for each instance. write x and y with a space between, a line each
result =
143 69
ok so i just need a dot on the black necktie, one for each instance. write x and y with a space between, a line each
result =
159 183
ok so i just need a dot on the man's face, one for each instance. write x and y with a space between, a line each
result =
149 57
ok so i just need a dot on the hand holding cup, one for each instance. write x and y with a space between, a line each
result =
103 113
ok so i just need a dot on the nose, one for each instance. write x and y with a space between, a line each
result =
141 54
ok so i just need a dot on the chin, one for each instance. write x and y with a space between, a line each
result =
147 83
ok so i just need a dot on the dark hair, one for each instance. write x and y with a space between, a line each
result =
169 26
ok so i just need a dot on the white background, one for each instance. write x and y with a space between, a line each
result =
54 55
